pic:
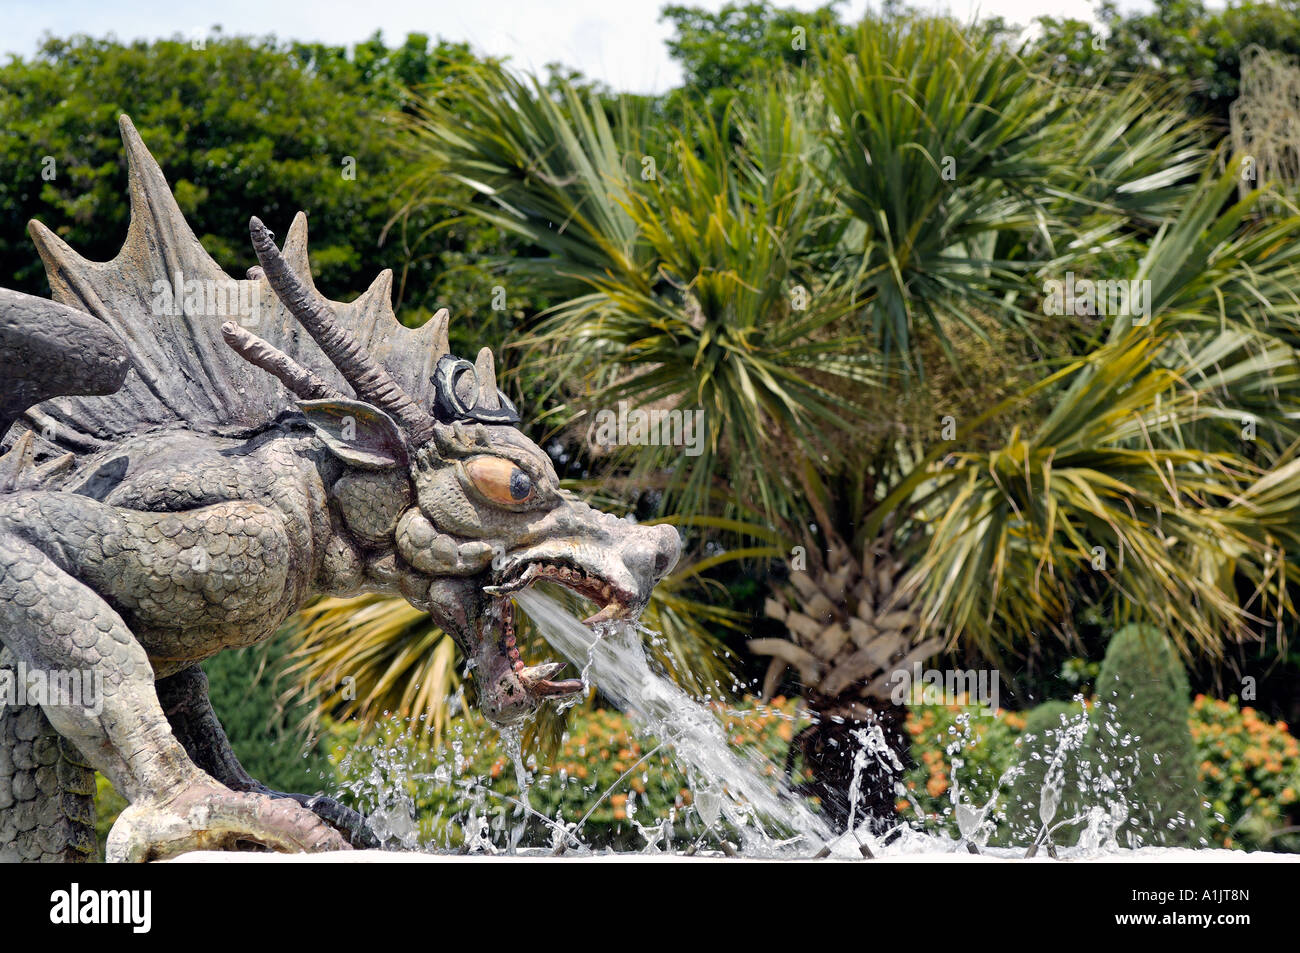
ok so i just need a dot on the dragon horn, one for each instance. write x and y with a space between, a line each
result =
290 373
366 375
486 372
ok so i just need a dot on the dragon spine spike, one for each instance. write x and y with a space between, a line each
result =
439 328
289 372
366 375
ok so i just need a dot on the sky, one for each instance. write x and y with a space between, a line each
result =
620 42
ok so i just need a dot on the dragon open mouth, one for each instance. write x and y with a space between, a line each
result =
538 680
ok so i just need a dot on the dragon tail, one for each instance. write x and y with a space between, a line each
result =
47 791
49 350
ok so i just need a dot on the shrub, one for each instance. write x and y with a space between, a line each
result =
1051 729
1142 692
1250 773
984 749
242 686
1248 769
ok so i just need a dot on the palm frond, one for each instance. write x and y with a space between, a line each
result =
1102 486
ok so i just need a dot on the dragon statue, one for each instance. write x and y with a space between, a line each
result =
182 471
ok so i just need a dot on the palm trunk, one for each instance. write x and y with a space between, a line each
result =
850 628
835 752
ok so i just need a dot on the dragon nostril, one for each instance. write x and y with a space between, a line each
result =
666 553
663 562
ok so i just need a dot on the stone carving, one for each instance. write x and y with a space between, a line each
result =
187 460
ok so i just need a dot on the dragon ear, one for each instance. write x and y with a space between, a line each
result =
356 432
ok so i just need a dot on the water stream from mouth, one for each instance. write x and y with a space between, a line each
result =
727 784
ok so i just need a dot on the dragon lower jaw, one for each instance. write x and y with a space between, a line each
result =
506 672
537 680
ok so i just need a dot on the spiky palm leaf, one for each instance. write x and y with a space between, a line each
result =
695 289
371 655
552 170
735 326
1125 154
936 148
1090 491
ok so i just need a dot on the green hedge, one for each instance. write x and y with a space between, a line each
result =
244 691
1142 693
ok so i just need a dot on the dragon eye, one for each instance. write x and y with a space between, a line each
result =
500 480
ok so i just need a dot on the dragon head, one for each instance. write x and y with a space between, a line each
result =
459 506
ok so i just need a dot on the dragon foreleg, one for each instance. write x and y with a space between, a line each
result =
185 701
54 624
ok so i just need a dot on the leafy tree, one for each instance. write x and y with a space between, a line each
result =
1188 41
728 51
242 126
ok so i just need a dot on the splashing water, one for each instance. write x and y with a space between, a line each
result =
726 783
739 793
376 779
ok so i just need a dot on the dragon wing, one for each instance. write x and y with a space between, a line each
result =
181 372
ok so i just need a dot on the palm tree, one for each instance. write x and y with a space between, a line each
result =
1132 484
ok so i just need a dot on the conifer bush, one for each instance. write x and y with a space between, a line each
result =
1142 706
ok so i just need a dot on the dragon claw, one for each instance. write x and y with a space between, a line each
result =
351 824
208 816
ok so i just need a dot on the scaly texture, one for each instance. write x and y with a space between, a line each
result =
47 791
